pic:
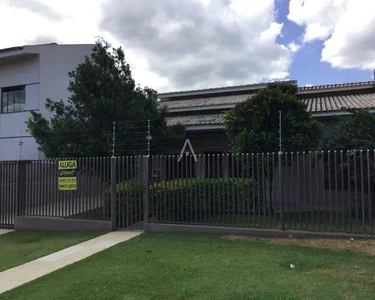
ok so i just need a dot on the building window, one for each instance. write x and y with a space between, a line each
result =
12 99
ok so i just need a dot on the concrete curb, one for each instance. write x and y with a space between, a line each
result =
31 223
178 228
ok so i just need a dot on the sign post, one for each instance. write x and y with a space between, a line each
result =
67 175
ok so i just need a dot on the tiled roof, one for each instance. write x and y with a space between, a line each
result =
205 119
322 100
316 105
331 103
315 102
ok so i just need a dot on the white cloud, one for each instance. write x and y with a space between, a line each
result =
200 43
294 47
347 28
78 25
318 16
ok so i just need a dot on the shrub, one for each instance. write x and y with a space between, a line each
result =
130 200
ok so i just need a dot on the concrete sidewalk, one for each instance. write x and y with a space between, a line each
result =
17 276
4 231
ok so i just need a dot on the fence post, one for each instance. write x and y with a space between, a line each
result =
21 193
113 192
146 189
280 161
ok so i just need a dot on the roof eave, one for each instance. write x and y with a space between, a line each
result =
202 108
337 113
16 54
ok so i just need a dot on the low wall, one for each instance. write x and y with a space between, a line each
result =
32 223
177 228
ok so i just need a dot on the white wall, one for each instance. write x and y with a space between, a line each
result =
56 61
32 93
10 149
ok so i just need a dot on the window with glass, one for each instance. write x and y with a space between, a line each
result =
12 99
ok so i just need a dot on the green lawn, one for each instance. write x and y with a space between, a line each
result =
161 266
17 247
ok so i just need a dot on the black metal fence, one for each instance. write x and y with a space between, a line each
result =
320 191
317 191
30 188
88 201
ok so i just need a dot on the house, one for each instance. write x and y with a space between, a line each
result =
202 111
29 75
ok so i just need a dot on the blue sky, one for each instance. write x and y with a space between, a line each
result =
307 66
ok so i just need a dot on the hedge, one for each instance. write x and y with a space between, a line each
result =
188 199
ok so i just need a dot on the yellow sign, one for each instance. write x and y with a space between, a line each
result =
67 175
67 164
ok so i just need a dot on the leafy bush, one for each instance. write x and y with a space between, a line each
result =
356 208
188 199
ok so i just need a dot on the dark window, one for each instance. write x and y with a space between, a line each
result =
12 99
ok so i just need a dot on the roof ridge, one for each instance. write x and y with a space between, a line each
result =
226 87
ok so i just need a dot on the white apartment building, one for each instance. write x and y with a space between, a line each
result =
28 76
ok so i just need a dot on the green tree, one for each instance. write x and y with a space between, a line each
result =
102 91
253 126
353 132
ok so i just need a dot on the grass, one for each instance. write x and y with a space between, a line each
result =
17 247
161 266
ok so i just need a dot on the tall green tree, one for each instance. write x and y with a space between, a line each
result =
253 125
102 91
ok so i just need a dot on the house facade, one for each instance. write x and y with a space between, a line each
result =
28 76
202 111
